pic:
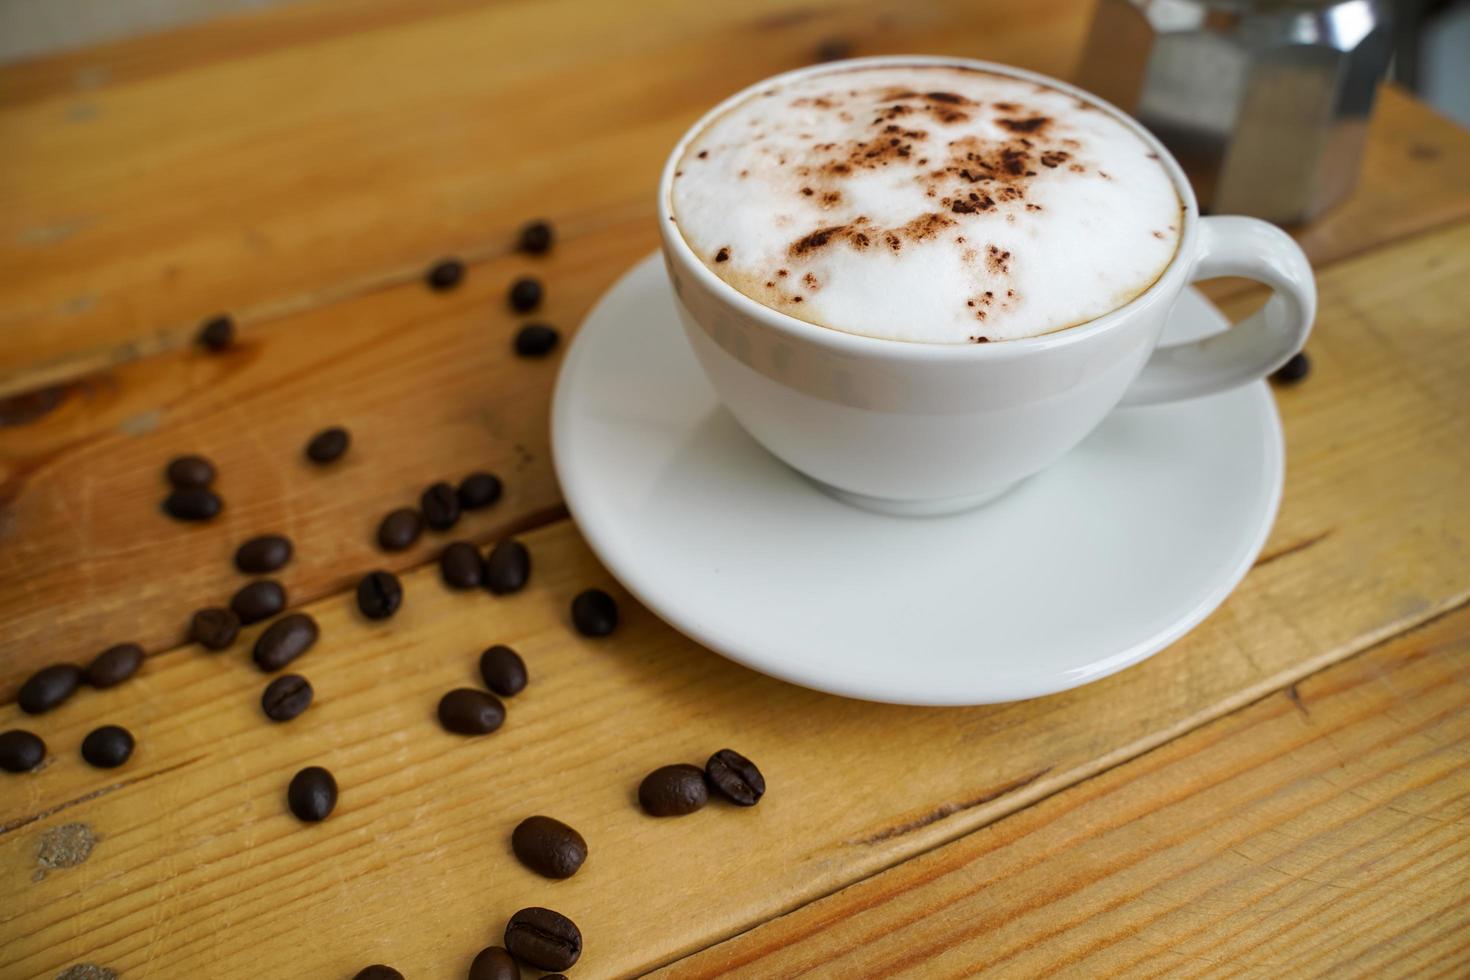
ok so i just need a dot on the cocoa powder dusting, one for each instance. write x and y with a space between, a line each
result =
723 255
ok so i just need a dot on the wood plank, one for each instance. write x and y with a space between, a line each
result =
1319 832
1375 443
199 871
156 181
243 182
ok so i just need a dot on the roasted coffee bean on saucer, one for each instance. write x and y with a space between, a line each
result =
379 595
673 791
545 939
107 747
48 687
312 794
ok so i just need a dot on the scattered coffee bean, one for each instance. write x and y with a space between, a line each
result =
286 697
377 972
461 566
258 600
400 529
735 777
379 595
478 490
536 237
265 553
548 847
21 751
545 939
525 294
312 795
1293 370
594 613
189 471
672 791
834 49
507 568
536 340
440 505
115 665
445 274
495 963
217 333
328 445
192 504
284 640
107 747
503 670
214 628
466 711
553 976
48 687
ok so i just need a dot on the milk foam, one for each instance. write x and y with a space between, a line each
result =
927 203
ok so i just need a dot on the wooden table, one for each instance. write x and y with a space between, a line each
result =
1283 792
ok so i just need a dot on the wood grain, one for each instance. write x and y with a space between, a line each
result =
156 181
200 871
1323 831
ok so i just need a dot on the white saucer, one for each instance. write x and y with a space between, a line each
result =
1086 568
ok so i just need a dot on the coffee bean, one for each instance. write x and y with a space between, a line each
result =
440 505
478 490
548 847
594 613
461 566
192 504
545 939
262 554
735 777
107 747
834 49
258 600
466 711
672 791
525 294
48 687
312 795
328 445
445 274
553 976
379 595
495 963
503 670
536 237
286 697
507 568
189 471
1293 370
115 665
400 529
214 628
536 340
217 333
377 972
21 751
284 640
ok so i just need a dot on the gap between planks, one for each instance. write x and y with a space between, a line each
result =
1032 790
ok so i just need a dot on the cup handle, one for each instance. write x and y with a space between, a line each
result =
1259 344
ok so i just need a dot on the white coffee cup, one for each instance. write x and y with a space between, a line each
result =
916 428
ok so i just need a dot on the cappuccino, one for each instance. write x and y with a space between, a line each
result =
927 203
